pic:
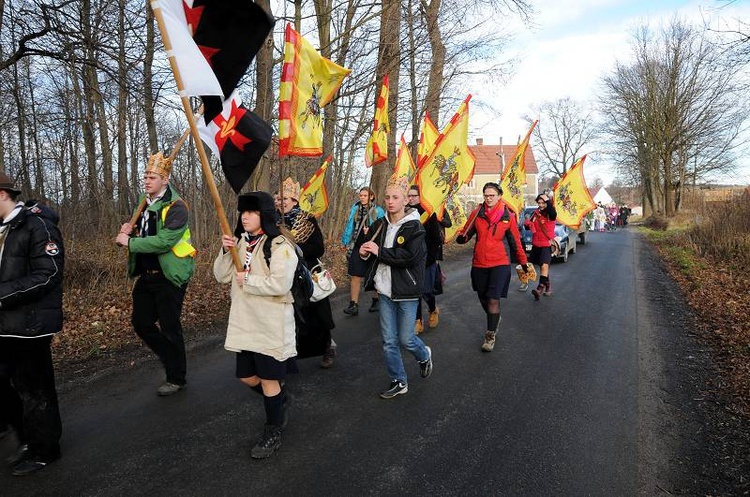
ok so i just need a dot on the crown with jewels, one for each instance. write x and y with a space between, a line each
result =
400 182
290 189
159 164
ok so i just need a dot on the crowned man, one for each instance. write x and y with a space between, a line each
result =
162 258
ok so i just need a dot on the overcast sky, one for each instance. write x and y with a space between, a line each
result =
571 45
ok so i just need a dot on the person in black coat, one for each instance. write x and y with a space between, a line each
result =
31 274
434 239
396 253
314 334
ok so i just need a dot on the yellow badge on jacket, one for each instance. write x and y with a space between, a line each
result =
400 240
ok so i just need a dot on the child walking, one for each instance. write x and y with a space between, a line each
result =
261 318
396 254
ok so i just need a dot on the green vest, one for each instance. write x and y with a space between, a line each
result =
173 249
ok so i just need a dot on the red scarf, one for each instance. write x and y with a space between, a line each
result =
493 214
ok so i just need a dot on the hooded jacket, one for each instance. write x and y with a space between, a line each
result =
398 270
489 250
542 226
31 274
169 232
353 234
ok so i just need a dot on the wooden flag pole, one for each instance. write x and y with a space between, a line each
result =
208 175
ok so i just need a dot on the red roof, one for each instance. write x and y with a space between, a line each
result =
488 160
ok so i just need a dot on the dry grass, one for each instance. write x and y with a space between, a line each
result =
709 257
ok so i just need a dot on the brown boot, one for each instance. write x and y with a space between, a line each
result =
418 327
434 319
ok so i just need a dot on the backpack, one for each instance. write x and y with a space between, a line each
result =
302 286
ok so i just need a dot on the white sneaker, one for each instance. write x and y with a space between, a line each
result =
523 287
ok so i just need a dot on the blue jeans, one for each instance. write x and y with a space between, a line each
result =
397 328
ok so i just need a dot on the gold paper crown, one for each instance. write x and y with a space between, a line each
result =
159 164
290 189
400 182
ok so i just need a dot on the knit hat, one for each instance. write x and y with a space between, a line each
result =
159 164
261 202
7 184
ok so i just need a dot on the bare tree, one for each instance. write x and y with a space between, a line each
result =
675 113
565 127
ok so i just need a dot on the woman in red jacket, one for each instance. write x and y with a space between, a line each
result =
492 222
542 226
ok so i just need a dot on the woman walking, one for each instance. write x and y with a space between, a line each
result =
261 318
492 222
361 216
396 254
314 333
542 226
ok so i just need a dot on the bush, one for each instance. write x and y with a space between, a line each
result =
657 223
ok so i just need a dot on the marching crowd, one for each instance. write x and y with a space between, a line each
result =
393 251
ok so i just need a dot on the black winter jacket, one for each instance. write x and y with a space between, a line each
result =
406 258
31 275
435 235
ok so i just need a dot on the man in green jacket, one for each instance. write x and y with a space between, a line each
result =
162 258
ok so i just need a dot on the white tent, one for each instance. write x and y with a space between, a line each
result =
602 197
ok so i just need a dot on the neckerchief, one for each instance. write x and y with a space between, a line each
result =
145 215
252 241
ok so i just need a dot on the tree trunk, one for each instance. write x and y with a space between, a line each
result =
431 13
122 116
22 178
389 55
37 191
148 82
413 93
264 100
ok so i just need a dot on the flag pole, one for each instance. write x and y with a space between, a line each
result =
208 175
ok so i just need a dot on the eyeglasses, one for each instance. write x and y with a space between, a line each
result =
410 195
490 196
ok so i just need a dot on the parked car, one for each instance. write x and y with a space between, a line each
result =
565 236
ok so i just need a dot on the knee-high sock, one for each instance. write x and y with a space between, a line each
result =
274 409
492 321
543 280
431 303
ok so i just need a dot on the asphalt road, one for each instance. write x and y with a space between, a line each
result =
552 411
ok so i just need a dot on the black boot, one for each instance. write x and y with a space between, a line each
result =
268 444
353 308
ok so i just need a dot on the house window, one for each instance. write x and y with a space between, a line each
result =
471 184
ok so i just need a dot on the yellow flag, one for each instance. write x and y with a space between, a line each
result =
514 176
427 139
572 198
450 164
376 150
404 162
308 82
313 197
458 217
